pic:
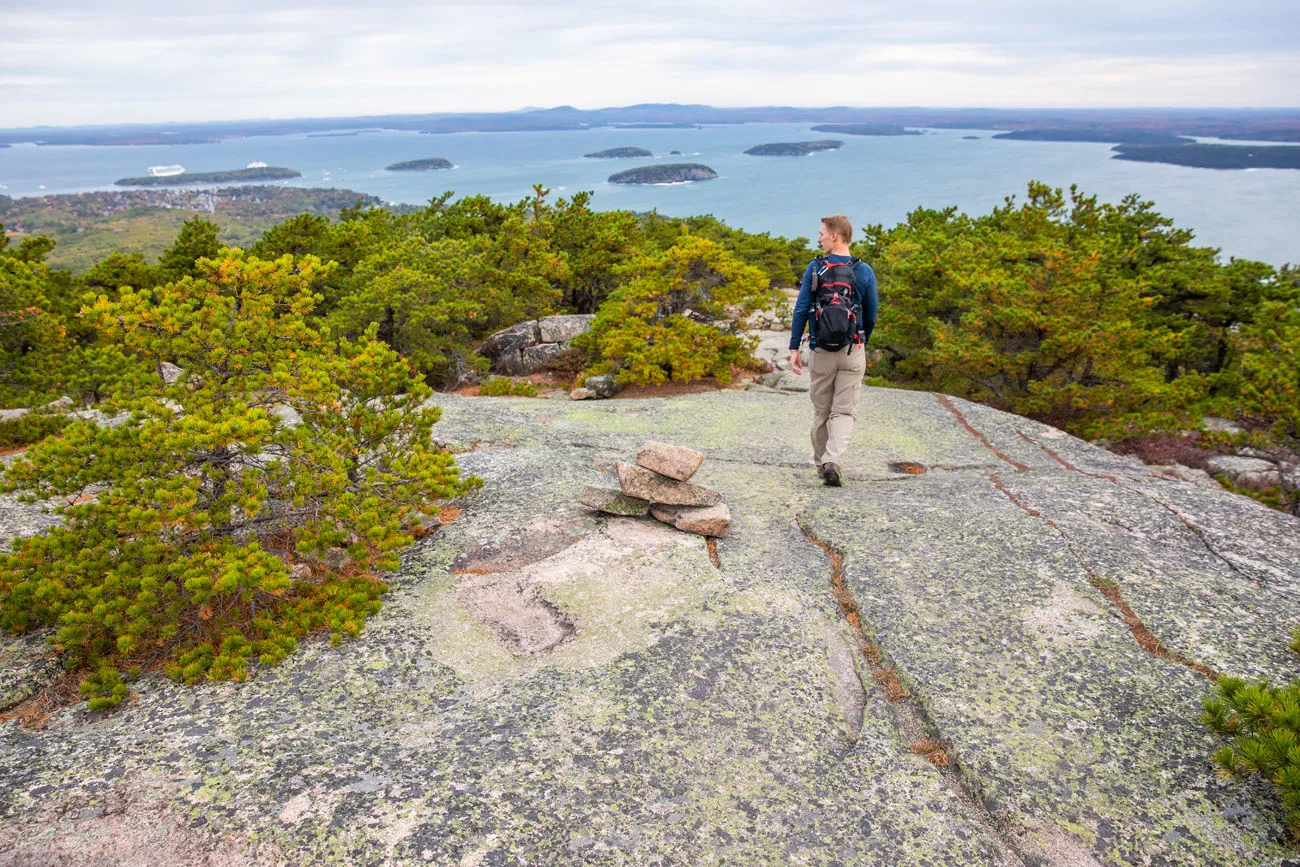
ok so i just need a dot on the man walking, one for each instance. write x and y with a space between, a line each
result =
837 301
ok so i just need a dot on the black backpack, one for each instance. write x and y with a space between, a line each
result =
836 316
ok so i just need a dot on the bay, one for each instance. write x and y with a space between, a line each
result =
1253 214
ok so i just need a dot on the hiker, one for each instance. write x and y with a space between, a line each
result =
837 301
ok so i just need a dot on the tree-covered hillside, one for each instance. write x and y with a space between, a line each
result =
269 453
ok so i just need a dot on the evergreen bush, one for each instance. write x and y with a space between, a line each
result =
208 530
646 331
1262 724
505 386
30 428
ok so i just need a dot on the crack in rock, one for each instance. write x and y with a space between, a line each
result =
912 719
948 405
1186 522
1144 637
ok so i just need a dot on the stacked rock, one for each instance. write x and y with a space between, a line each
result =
658 485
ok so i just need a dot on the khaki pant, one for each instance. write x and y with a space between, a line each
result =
835 389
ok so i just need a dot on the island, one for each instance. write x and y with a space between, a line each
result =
665 125
1213 156
432 164
264 173
668 173
1102 136
865 129
339 134
619 153
970 138
793 148
674 153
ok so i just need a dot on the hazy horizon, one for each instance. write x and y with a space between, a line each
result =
76 62
1164 109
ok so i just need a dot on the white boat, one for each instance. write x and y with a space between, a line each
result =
256 164
166 171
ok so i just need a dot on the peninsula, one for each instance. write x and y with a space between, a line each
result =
669 173
1213 156
865 129
265 173
1104 136
432 164
618 153
793 148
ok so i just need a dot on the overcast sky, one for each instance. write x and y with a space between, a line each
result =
84 61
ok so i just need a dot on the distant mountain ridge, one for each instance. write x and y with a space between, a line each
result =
1269 124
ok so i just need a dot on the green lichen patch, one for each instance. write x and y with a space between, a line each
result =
703 715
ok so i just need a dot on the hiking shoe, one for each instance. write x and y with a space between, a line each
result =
831 475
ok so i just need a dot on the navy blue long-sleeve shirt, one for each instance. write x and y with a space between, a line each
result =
865 280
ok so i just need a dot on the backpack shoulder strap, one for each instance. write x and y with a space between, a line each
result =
819 265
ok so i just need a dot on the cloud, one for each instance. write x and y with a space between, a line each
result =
77 61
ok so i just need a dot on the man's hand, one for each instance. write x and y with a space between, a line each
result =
796 362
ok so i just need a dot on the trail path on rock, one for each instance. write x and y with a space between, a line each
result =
548 686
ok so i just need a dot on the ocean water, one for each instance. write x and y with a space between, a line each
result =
1252 214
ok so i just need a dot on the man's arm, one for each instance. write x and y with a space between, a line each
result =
802 308
867 299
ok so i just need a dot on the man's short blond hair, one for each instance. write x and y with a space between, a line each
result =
840 225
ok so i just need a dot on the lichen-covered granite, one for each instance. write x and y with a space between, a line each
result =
549 686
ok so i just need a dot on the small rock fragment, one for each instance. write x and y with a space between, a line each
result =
648 485
613 502
675 462
602 386
301 571
1249 471
703 521
170 372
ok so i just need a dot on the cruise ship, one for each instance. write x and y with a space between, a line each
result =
166 171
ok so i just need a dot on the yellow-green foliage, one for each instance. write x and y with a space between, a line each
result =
30 428
1096 317
504 386
642 334
182 523
1262 725
30 327
1270 369
430 298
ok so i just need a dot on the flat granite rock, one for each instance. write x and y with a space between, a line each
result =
613 502
675 462
644 484
547 687
703 521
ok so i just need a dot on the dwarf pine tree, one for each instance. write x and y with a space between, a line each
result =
643 334
1262 724
237 509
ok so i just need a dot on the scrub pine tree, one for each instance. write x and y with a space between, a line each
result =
207 531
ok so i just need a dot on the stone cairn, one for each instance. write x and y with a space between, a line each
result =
658 485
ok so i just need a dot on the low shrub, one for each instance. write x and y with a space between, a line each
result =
505 386
664 323
1262 725
30 428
